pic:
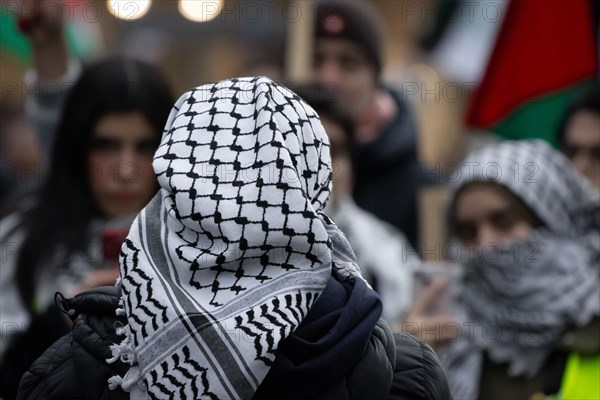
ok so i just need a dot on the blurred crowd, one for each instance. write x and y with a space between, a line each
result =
508 309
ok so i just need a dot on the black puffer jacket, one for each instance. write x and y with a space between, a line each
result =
75 368
418 374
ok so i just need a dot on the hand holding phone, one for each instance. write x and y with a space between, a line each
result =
430 317
440 280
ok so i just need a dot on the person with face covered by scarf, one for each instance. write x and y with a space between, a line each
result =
234 284
528 308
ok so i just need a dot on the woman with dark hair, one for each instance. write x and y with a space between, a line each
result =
529 302
100 172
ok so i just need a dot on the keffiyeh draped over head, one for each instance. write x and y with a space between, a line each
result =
227 259
541 177
519 298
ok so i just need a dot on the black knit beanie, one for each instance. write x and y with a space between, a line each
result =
354 20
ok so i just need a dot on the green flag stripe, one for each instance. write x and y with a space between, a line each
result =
540 117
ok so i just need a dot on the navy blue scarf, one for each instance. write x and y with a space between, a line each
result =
327 345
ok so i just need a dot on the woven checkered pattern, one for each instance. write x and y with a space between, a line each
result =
539 175
249 163
231 254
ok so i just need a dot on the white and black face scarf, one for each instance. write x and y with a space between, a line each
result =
519 297
228 258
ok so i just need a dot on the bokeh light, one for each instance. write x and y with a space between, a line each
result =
129 9
200 10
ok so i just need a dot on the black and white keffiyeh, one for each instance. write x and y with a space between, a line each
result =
519 297
227 259
541 177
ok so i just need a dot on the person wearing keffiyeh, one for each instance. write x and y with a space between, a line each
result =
230 256
530 300
234 284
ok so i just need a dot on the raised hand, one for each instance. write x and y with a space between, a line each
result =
434 329
42 21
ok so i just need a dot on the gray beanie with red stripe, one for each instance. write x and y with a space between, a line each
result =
356 21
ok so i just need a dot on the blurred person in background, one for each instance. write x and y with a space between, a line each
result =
348 58
579 135
385 257
529 303
108 125
100 176
53 73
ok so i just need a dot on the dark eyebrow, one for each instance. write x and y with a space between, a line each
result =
501 211
103 134
104 140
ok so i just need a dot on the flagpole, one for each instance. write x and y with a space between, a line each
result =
300 42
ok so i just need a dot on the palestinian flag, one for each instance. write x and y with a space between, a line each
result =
545 55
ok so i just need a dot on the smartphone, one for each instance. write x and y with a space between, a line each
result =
111 246
113 235
425 273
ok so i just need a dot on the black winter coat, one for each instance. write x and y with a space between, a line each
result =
388 174
74 367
